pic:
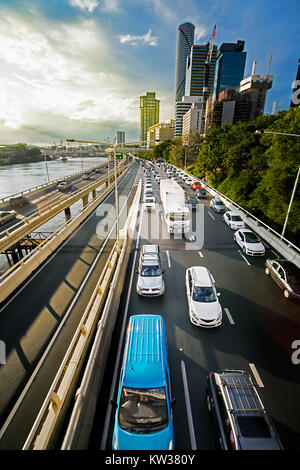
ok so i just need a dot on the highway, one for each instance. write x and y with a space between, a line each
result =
257 331
38 322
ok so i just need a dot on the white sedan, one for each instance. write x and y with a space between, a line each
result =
249 242
202 297
233 220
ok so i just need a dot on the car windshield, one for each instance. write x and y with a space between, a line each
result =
251 237
143 410
150 271
204 294
253 426
236 218
219 203
177 216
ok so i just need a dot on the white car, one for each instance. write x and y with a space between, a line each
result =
149 204
249 242
202 297
233 220
188 181
150 281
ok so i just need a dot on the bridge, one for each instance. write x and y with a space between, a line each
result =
64 325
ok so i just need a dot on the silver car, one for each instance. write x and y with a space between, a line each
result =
150 281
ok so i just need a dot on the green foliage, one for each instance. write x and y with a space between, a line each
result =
257 171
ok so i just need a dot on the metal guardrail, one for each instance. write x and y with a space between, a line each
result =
20 271
37 219
284 246
50 414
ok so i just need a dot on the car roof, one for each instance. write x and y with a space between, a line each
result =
201 276
150 248
232 213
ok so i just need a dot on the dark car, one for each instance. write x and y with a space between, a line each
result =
240 418
192 202
18 201
201 194
286 274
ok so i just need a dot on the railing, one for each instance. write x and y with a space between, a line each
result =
19 272
108 290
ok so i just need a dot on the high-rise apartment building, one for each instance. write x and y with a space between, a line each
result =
185 40
192 121
230 66
149 114
181 108
160 132
120 137
195 81
255 89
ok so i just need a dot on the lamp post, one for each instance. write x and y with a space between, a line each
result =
296 181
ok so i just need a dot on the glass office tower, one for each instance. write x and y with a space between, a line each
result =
185 40
230 66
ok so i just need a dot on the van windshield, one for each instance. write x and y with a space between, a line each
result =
177 216
204 294
143 410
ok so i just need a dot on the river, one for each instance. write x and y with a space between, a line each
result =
20 177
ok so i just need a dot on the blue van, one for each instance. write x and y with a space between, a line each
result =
143 418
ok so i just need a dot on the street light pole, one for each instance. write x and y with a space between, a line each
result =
47 168
291 202
117 198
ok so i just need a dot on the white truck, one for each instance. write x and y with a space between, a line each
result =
175 213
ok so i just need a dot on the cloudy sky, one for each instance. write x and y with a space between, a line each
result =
76 68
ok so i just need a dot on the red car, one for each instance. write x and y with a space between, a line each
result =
196 185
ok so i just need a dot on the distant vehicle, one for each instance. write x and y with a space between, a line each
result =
18 201
149 204
240 418
196 185
148 193
249 242
192 202
85 176
217 205
286 274
63 186
188 181
98 170
204 307
7 216
150 281
233 220
176 214
201 194
143 419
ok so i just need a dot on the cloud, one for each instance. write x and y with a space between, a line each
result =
63 72
139 40
89 5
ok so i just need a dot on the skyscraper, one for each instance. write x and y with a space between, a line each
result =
149 114
185 40
181 108
230 66
120 137
195 71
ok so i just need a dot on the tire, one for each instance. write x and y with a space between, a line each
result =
286 294
267 271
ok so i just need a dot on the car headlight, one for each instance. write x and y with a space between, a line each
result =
140 288
194 316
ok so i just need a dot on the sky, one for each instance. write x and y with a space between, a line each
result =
76 68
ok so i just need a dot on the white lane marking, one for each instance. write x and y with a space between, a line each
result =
188 407
256 375
115 376
231 320
211 215
168 256
201 255
244 258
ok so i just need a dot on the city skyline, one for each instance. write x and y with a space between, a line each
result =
76 68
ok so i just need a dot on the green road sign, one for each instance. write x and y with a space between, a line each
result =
119 156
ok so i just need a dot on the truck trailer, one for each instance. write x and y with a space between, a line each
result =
175 213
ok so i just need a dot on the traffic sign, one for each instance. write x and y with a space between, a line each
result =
119 156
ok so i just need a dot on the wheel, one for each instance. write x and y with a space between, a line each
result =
286 293
267 271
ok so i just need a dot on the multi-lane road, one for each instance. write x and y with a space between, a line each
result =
258 328
39 321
